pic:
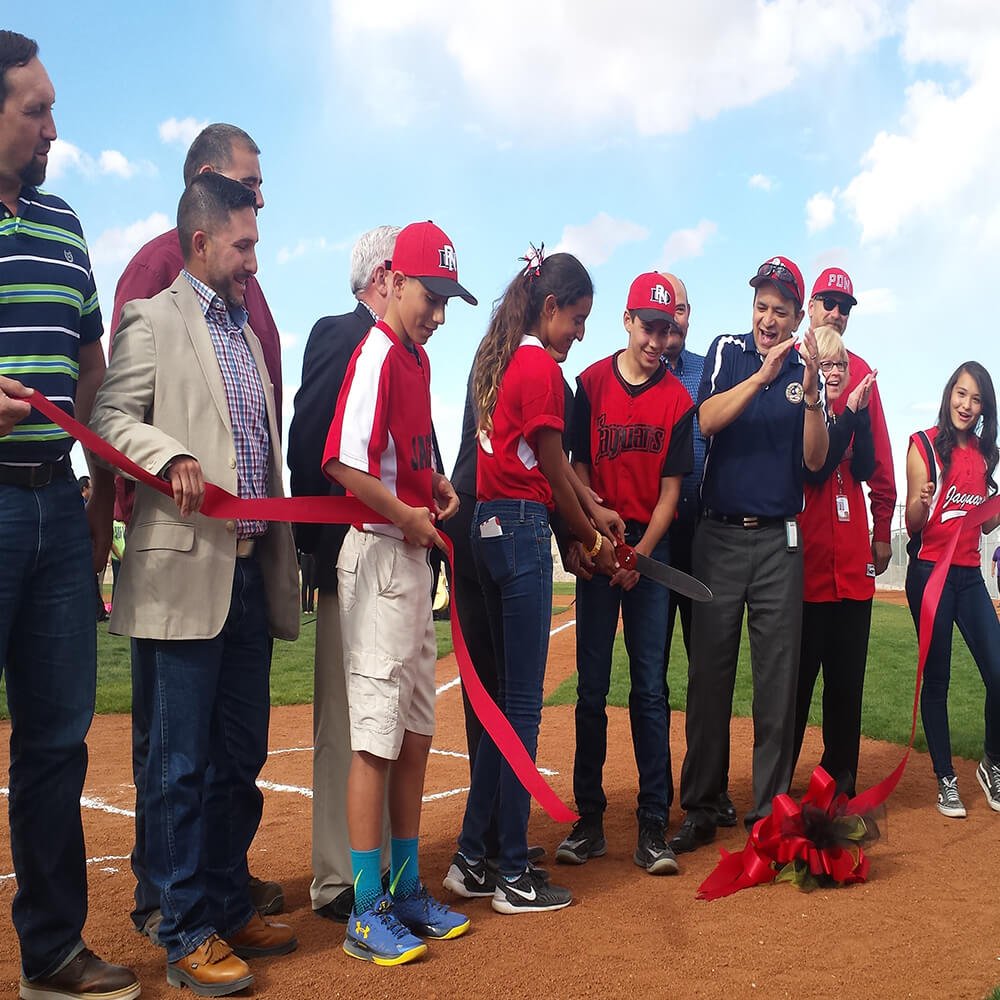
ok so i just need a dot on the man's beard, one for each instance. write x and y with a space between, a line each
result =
34 173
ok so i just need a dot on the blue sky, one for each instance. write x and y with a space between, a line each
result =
702 138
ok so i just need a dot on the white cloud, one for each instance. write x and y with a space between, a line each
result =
684 243
821 211
180 130
761 182
63 156
304 246
113 162
583 64
594 242
116 246
288 340
941 161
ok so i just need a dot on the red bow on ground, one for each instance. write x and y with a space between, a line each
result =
808 843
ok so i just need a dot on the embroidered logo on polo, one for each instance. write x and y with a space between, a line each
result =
794 392
447 258
613 439
659 295
961 503
68 254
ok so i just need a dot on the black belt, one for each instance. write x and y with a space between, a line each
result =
747 521
35 476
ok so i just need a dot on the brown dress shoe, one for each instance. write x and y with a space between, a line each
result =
84 977
268 898
211 970
260 938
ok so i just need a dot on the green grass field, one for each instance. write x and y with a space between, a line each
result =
888 687
892 658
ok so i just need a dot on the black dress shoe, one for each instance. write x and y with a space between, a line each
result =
339 908
726 811
693 833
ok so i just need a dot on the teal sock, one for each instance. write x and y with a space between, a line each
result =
405 879
367 868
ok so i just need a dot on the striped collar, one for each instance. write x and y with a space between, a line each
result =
211 301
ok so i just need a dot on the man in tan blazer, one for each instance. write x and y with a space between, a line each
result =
187 397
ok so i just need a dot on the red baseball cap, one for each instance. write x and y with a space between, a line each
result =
652 297
785 275
424 251
835 281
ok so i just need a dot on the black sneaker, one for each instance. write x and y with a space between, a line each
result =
471 879
586 840
988 776
529 893
693 833
651 851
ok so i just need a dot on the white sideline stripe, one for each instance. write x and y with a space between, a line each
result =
90 802
458 680
272 786
90 861
449 753
445 795
275 753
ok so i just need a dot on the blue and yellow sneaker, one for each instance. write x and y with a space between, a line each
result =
377 936
424 915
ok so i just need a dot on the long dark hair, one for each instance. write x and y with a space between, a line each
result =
516 313
944 443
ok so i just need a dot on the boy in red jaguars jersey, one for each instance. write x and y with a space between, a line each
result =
380 449
632 444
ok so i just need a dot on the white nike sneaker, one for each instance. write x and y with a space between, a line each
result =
530 892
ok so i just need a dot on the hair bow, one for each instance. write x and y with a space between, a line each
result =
533 261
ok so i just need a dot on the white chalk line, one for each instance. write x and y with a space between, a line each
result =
99 805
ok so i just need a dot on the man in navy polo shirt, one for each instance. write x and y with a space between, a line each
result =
50 330
760 410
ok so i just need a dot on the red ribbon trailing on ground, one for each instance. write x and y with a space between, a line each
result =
775 839
334 510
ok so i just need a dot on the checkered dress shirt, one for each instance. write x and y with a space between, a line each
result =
245 395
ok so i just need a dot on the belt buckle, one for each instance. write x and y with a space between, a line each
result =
245 547
751 522
40 475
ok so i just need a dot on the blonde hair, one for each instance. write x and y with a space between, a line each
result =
829 343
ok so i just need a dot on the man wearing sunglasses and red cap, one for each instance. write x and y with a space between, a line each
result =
760 410
830 305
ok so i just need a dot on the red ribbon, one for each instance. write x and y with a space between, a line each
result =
776 839
334 510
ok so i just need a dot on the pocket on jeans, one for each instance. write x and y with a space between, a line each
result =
497 554
373 692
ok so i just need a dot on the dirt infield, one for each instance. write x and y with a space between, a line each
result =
925 925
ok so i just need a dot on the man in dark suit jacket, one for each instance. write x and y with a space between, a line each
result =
324 365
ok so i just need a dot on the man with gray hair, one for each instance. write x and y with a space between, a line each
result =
324 366
227 150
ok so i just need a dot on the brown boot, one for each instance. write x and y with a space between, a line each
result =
211 970
261 938
84 977
268 898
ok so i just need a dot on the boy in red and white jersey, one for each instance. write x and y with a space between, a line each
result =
380 449
632 444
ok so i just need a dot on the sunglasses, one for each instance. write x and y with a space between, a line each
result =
829 366
830 302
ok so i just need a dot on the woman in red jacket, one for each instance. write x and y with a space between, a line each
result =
950 471
839 576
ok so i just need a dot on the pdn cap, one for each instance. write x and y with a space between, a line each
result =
785 274
835 281
652 297
424 251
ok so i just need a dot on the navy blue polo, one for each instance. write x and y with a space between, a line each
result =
754 466
48 308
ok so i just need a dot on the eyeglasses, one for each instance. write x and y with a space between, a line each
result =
830 302
828 366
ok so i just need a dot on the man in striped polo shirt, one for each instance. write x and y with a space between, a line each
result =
50 330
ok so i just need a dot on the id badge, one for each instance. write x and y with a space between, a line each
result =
791 534
843 508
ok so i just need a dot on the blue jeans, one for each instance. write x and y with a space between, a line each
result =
515 570
210 706
48 649
644 611
965 603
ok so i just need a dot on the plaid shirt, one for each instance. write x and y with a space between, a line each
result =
245 395
688 372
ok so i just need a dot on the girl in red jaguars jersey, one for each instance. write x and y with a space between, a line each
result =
949 472
522 474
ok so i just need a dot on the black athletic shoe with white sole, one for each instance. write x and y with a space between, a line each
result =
471 879
988 776
584 841
652 852
530 892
